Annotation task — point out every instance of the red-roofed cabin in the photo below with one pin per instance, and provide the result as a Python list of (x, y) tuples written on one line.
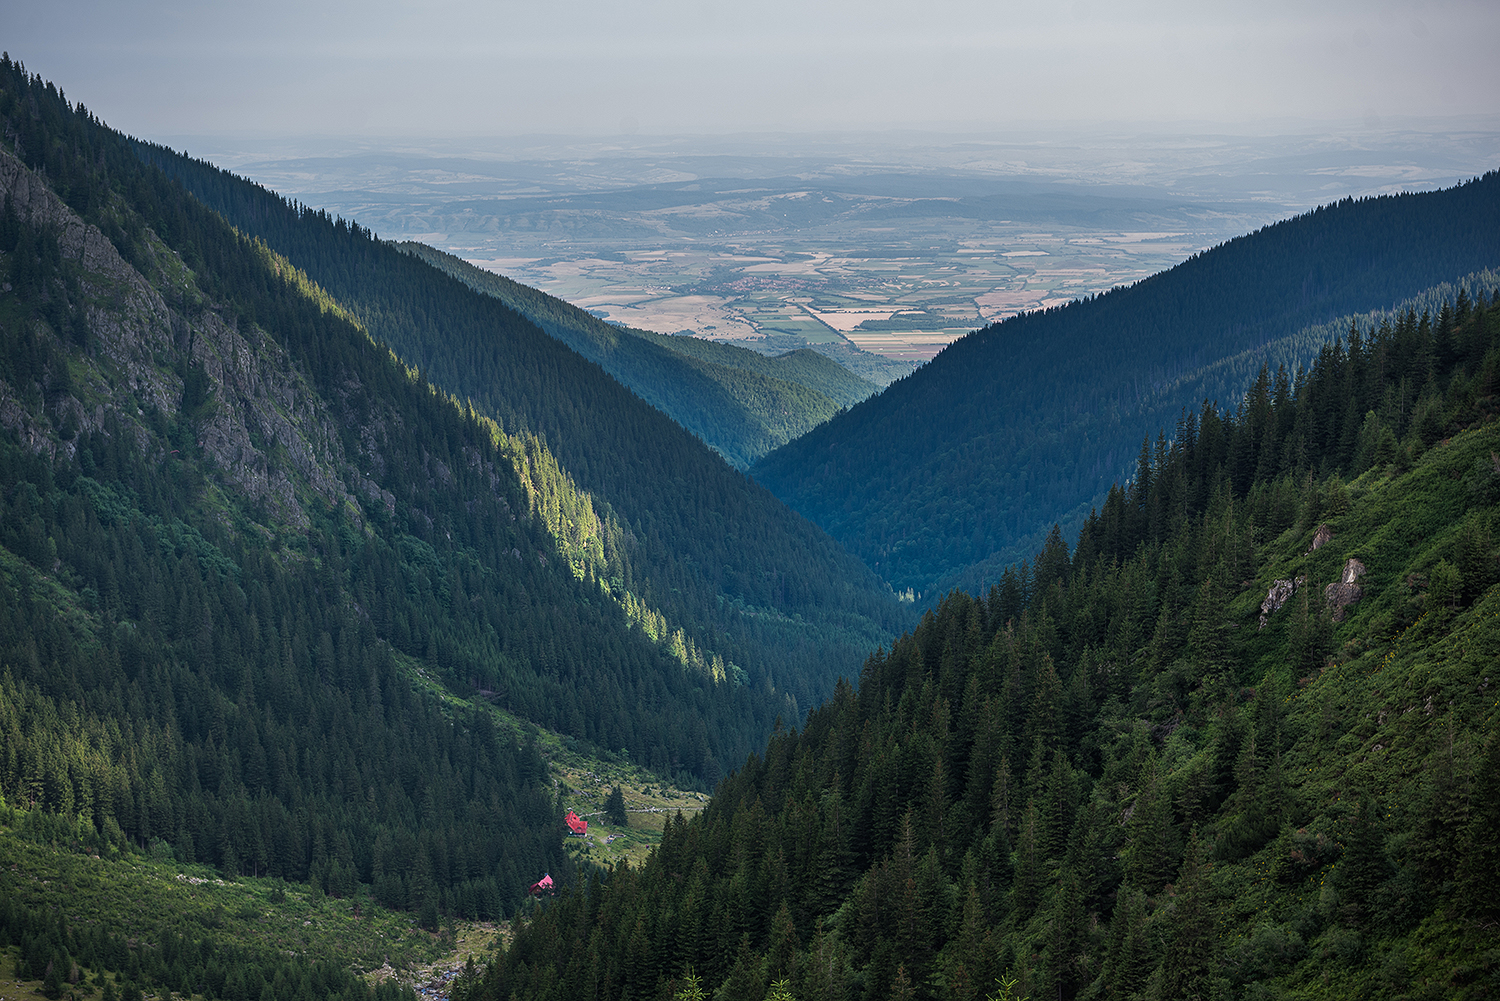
[(576, 824), (541, 886)]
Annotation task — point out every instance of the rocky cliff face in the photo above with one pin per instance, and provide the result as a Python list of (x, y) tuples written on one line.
[(161, 353)]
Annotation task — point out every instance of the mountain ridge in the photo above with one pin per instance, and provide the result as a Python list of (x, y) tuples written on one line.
[(740, 402), (715, 552), (1023, 423)]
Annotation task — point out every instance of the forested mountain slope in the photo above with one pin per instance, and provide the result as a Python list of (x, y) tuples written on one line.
[(716, 554), (1227, 377), (1026, 422), (740, 402), (1243, 742), (254, 571)]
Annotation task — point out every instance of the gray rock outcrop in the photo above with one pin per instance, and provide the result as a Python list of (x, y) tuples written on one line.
[(1346, 591), (1281, 591)]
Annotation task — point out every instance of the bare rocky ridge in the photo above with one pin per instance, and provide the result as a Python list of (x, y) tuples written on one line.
[(128, 318)]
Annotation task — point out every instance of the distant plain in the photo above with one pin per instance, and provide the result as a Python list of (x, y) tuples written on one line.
[(894, 243)]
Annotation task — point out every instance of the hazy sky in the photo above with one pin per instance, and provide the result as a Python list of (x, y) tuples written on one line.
[(466, 67)]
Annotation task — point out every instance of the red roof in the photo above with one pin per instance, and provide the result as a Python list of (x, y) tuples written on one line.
[(576, 824)]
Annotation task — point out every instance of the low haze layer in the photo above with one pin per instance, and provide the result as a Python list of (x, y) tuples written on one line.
[(672, 66)]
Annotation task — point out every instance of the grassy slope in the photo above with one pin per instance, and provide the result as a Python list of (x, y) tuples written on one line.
[(1408, 686), (144, 897), (583, 781)]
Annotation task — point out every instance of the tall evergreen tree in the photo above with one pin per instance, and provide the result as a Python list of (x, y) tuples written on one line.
[(1187, 969)]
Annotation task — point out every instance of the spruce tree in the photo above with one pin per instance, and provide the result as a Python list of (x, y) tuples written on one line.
[(614, 808), (1364, 866), (1150, 853), (1188, 966), (1478, 874)]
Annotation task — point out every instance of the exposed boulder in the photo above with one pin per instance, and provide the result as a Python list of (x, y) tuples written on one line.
[(1281, 591), (1321, 537), (1347, 590)]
